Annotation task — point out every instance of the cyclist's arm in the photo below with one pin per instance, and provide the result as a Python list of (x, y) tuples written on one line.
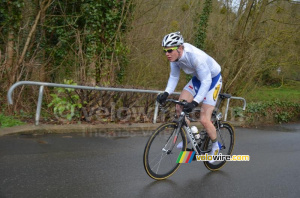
[(173, 79)]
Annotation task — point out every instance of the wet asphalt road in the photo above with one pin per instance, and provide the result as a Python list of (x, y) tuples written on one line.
[(98, 165)]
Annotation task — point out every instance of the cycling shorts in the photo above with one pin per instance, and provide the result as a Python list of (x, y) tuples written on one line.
[(211, 97)]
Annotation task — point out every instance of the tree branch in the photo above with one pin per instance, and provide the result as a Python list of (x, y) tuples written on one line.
[(44, 6)]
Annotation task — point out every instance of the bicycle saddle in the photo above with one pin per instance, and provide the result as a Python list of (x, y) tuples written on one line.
[(224, 95)]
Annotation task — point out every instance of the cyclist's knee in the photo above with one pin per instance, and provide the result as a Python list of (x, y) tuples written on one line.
[(178, 109), (205, 122)]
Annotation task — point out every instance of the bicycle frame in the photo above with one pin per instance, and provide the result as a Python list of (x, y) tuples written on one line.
[(182, 124), (192, 140)]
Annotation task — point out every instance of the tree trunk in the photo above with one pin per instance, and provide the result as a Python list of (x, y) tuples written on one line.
[(10, 57), (258, 17), (243, 20)]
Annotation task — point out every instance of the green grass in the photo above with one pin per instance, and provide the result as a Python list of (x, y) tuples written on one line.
[(274, 104), (9, 121), (289, 92)]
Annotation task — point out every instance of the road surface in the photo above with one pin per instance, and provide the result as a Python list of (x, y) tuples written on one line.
[(110, 165)]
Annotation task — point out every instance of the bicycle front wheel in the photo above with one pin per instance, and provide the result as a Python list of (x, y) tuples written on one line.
[(226, 139), (161, 151)]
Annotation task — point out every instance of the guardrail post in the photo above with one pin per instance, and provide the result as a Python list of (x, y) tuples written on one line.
[(227, 105), (226, 111), (39, 105), (155, 112)]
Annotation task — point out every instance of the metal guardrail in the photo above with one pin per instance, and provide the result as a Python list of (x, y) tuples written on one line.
[(43, 84), (227, 105)]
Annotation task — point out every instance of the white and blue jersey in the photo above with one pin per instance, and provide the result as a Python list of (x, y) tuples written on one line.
[(206, 82)]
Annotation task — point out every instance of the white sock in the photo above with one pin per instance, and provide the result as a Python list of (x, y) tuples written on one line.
[(180, 144), (214, 147)]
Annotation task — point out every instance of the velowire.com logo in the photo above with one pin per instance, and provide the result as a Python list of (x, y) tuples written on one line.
[(187, 157)]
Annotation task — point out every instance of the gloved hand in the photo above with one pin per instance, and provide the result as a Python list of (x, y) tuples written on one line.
[(188, 107), (161, 98)]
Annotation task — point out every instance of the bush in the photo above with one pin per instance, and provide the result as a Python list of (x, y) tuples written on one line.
[(65, 102), (272, 111)]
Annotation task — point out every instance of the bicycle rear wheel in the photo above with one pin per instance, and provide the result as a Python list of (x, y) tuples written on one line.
[(226, 139), (161, 152)]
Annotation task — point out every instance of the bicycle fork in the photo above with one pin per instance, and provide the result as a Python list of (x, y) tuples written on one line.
[(174, 140)]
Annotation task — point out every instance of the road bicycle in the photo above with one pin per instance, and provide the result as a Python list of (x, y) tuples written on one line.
[(161, 151)]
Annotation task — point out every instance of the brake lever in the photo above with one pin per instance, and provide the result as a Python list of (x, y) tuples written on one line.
[(184, 102), (162, 108)]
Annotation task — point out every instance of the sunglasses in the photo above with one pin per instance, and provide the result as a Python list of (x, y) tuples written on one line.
[(170, 50)]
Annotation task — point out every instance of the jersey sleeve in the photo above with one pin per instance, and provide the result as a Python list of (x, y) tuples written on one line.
[(173, 79)]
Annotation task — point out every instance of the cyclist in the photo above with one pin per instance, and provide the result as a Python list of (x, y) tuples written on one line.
[(204, 86)]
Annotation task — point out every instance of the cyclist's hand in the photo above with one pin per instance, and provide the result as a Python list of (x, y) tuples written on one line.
[(161, 98), (188, 107)]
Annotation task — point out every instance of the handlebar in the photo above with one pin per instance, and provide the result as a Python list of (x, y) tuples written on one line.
[(182, 103)]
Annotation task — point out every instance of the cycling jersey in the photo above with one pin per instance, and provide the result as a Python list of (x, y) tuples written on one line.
[(196, 63)]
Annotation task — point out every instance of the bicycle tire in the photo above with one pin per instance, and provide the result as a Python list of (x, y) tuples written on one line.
[(228, 135), (166, 165)]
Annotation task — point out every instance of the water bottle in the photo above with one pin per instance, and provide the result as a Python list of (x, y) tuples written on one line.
[(195, 132)]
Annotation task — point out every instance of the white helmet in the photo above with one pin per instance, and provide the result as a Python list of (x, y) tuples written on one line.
[(173, 39)]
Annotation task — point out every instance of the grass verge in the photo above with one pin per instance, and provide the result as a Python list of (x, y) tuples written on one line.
[(289, 91), (9, 121), (268, 105)]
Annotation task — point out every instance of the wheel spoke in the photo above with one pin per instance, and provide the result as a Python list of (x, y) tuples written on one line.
[(158, 163)]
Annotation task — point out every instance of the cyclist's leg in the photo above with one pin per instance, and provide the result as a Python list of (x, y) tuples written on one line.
[(208, 106), (205, 119), (185, 95)]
